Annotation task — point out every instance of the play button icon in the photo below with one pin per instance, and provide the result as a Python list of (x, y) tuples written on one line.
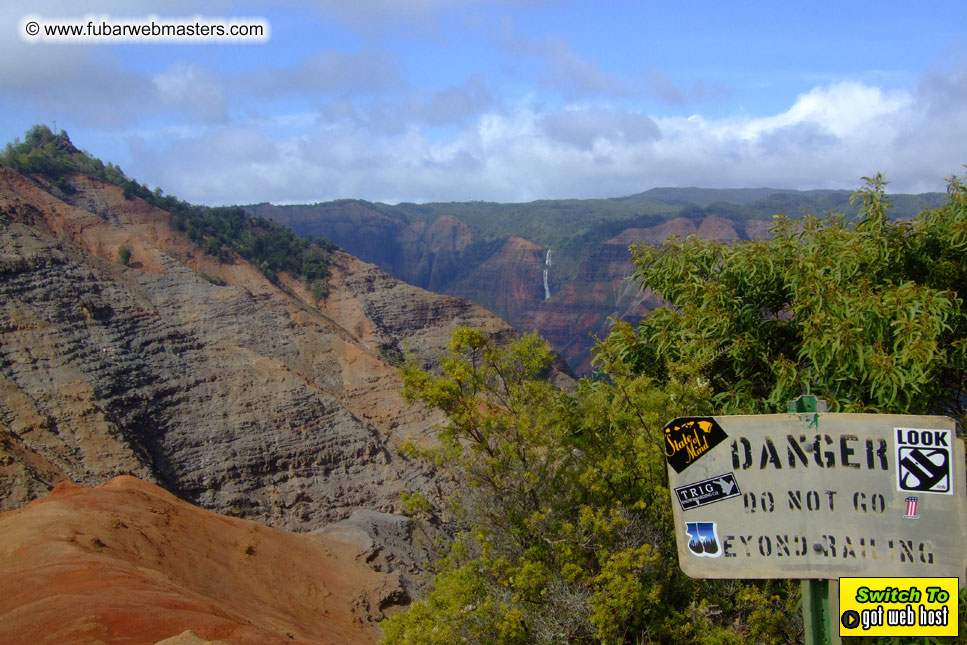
[(850, 619)]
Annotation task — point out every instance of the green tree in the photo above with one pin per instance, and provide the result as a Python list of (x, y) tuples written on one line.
[(868, 316), (563, 522), (220, 231), (124, 254)]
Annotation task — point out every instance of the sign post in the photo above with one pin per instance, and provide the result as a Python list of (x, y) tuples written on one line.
[(818, 496), (817, 614)]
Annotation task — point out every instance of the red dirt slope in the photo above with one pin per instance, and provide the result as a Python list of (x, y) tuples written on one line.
[(127, 562)]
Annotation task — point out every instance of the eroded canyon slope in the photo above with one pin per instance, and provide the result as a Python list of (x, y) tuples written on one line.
[(244, 395), (587, 283), (496, 254), (127, 562)]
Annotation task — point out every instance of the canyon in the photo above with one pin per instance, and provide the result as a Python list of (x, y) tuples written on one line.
[(235, 391), (196, 447), (496, 255)]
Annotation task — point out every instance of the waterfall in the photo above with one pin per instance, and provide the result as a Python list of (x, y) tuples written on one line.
[(547, 263)]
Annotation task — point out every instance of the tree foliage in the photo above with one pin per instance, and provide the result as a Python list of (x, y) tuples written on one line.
[(563, 521), (42, 152), (868, 316), (564, 528)]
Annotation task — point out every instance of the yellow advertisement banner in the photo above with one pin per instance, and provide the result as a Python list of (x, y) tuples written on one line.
[(898, 607)]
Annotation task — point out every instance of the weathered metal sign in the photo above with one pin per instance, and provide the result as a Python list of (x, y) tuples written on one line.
[(818, 495)]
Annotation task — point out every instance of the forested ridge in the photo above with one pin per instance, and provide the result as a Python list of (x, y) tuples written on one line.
[(219, 231), (564, 526)]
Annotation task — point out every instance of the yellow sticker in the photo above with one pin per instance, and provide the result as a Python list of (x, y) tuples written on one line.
[(898, 607)]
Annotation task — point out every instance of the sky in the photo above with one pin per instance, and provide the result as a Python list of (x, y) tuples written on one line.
[(514, 100)]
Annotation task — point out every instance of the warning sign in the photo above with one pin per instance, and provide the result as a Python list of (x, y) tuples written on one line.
[(818, 495)]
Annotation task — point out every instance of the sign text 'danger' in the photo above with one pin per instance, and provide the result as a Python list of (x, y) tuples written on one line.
[(810, 451)]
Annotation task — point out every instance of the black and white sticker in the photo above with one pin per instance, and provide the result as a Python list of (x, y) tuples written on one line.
[(707, 491), (924, 460)]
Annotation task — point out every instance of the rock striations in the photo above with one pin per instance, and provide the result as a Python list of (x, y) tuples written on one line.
[(250, 399)]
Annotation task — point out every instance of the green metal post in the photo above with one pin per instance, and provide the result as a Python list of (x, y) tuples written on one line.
[(817, 615), (806, 403), (813, 594)]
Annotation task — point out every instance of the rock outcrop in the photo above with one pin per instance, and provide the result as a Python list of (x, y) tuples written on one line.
[(250, 399), (581, 310), (127, 562), (426, 254), (509, 282)]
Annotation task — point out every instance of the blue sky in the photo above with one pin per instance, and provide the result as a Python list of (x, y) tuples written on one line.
[(434, 100)]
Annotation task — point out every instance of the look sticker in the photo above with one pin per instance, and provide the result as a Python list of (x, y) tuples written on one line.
[(925, 461)]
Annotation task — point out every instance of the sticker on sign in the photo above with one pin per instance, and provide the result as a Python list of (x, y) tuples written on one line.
[(708, 491), (688, 438), (703, 539), (924, 461)]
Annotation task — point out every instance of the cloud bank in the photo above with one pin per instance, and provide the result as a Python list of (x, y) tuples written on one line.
[(539, 119), (462, 144)]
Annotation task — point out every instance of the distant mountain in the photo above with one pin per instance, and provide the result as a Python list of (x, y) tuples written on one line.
[(703, 197), (496, 254)]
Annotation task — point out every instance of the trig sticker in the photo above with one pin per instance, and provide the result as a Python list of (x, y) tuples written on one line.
[(688, 438), (703, 539), (924, 460), (707, 491)]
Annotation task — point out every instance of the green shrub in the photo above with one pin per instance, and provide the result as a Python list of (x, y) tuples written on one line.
[(214, 279)]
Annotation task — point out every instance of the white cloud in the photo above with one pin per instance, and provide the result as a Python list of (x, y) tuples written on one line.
[(458, 104), (328, 72), (680, 94), (561, 68), (843, 109), (337, 123), (583, 128), (192, 88), (829, 137)]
